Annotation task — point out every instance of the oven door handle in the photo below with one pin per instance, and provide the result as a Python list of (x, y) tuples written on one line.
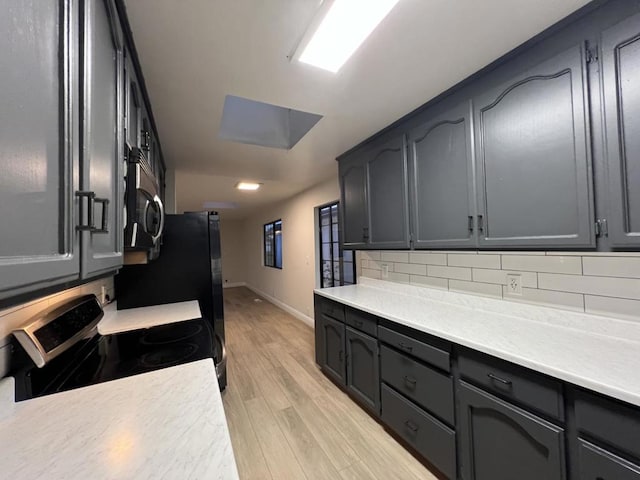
[(158, 202)]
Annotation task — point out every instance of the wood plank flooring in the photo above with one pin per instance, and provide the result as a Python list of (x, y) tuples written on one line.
[(287, 420)]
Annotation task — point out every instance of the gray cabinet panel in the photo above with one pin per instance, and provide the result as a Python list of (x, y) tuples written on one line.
[(598, 464), (501, 442), (38, 242), (103, 147), (363, 372), (534, 158), (621, 88), (133, 105), (442, 180), (333, 355), (353, 203), (388, 207)]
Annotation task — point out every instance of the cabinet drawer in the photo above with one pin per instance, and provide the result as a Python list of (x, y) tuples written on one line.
[(529, 388), (425, 386), (598, 464), (431, 438), (331, 308), (428, 353), (614, 422), (362, 321)]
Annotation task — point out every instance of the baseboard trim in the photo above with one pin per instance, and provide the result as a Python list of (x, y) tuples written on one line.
[(287, 308), (235, 284)]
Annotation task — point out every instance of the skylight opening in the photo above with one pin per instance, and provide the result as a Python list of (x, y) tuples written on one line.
[(345, 26)]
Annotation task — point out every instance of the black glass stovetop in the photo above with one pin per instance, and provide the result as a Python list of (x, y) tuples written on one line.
[(109, 357)]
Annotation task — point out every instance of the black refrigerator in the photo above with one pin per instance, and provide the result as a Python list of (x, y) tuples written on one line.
[(188, 268)]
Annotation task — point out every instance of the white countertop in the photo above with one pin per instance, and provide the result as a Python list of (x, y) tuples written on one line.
[(116, 321), (598, 353), (167, 424)]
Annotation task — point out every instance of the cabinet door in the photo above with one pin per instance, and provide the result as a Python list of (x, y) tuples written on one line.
[(353, 203), (387, 195), (133, 103), (534, 172), (501, 442), (442, 180), (363, 368), (333, 356), (621, 86), (103, 138), (38, 241), (599, 464)]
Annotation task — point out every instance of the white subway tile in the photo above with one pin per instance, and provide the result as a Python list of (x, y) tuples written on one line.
[(411, 268), (402, 257), (367, 272), (602, 286), (377, 265), (534, 263), (487, 289), (529, 279), (364, 263), (618, 307), (512, 252), (628, 267), (479, 261), (434, 282), (370, 254), (458, 273), (428, 258), (398, 277), (596, 254), (570, 301)]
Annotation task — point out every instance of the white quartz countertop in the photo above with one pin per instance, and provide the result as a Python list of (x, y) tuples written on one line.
[(116, 321), (598, 353), (166, 424)]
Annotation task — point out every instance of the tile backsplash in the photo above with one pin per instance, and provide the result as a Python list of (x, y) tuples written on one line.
[(599, 283)]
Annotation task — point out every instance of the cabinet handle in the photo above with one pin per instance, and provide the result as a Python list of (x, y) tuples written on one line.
[(411, 426), (90, 226), (365, 233), (498, 379), (410, 381), (470, 223), (406, 347), (480, 224), (105, 215)]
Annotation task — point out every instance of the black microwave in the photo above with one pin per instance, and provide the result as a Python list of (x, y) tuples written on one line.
[(144, 211)]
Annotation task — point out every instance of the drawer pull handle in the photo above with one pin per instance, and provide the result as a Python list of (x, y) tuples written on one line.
[(498, 379), (411, 426), (410, 381), (406, 347)]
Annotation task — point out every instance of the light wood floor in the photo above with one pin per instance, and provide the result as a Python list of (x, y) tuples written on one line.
[(287, 420)]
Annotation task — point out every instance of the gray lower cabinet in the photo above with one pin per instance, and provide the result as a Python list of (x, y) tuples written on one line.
[(499, 441), (333, 354), (39, 246), (620, 48), (598, 464), (442, 180), (533, 157), (103, 138), (353, 202), (387, 195), (363, 371)]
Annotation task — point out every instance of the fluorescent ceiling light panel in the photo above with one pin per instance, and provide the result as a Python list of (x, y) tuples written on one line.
[(346, 25), (247, 186), (219, 205)]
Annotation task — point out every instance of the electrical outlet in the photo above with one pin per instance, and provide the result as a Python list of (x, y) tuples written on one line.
[(385, 270), (514, 284)]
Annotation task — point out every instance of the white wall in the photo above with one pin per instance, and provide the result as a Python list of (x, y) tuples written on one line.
[(292, 287), (234, 265)]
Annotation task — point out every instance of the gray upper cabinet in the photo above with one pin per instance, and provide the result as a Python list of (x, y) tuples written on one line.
[(38, 241), (133, 104), (442, 180), (533, 158), (102, 138), (621, 87), (353, 202), (387, 199)]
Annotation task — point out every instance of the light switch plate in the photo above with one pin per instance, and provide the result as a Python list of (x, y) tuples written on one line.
[(514, 284), (385, 270)]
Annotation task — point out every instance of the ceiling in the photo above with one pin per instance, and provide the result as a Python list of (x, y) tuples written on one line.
[(195, 52)]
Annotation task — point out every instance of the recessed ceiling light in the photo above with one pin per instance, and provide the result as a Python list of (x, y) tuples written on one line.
[(247, 186), (342, 27)]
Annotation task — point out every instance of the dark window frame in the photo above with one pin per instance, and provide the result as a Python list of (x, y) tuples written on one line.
[(333, 243), (269, 244)]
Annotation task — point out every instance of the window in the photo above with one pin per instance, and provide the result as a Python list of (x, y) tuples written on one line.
[(337, 267), (273, 244)]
